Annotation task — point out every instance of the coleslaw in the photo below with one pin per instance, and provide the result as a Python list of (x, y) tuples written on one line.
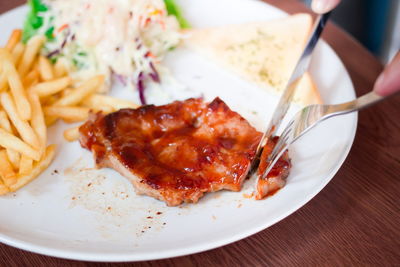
[(123, 38)]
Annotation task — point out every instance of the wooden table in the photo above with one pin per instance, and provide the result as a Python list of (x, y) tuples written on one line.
[(353, 221)]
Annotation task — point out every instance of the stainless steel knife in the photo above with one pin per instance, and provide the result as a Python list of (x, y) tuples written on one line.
[(299, 70)]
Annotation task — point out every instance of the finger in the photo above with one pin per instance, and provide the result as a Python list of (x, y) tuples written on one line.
[(388, 81), (323, 6)]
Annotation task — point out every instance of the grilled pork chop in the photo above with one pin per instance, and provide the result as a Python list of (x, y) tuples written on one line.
[(176, 152), (276, 178)]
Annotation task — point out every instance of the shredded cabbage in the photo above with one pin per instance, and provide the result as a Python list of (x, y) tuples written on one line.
[(126, 38)]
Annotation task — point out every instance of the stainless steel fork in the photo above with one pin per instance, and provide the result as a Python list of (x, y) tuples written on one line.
[(309, 117)]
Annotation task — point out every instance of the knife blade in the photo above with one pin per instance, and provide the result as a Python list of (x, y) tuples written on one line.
[(301, 67)]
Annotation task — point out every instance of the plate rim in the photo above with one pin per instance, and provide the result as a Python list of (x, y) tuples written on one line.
[(177, 252)]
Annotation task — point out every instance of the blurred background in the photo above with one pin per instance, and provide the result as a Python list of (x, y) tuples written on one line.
[(374, 23)]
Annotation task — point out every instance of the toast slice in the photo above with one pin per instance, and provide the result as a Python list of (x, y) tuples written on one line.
[(264, 53)]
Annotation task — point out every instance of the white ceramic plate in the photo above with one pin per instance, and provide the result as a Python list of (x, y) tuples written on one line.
[(72, 211)]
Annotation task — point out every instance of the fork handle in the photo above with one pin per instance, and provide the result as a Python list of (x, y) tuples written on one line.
[(384, 86), (356, 104)]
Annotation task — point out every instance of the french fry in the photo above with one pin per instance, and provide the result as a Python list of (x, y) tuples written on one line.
[(17, 89), (4, 122), (24, 129), (51, 87), (50, 100), (8, 140), (6, 170), (37, 122), (13, 155), (31, 78), (3, 75), (103, 109), (17, 53), (45, 69), (77, 95), (68, 114), (38, 168), (60, 69), (14, 130), (66, 91), (34, 94), (31, 51), (35, 64), (25, 165), (3, 82), (97, 100), (18, 92), (50, 120), (72, 134), (15, 38), (3, 188)]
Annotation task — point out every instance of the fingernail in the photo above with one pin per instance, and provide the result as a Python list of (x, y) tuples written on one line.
[(319, 6)]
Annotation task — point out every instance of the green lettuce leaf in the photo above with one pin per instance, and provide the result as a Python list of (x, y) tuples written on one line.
[(33, 21), (174, 10)]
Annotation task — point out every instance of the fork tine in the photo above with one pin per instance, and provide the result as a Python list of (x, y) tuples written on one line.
[(285, 139), (288, 128), (277, 153), (294, 129), (282, 139)]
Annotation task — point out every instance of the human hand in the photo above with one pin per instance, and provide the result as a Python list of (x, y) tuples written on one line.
[(323, 6), (388, 81)]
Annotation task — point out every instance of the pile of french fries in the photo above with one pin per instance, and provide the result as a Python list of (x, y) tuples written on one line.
[(34, 94)]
